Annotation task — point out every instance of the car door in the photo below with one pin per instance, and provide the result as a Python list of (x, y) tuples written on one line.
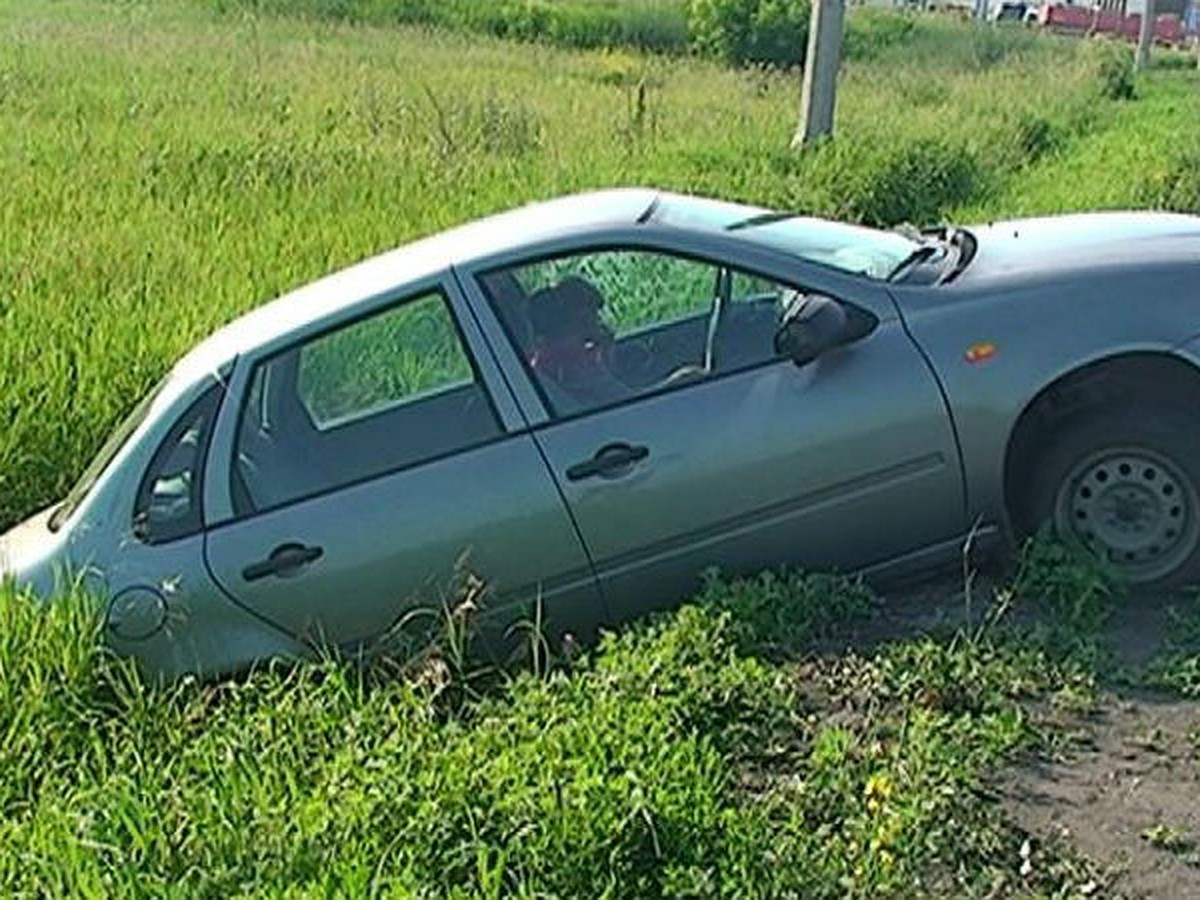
[(369, 474), (710, 450)]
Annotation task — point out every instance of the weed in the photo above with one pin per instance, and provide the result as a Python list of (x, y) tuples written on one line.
[(1164, 837), (777, 612), (1071, 590), (1114, 71), (1178, 667)]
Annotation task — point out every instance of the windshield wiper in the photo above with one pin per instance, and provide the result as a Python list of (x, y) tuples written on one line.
[(767, 218), (918, 256)]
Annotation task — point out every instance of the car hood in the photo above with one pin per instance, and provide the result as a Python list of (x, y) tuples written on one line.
[(1035, 248)]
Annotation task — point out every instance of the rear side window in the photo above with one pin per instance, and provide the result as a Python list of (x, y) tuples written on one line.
[(168, 500), (392, 358), (393, 390)]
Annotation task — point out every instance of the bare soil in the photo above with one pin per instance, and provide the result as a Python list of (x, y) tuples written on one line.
[(1128, 798), (1127, 794)]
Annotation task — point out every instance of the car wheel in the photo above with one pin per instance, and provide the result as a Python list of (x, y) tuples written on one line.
[(1127, 487)]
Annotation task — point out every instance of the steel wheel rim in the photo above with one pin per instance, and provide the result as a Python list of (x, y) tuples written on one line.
[(1132, 507)]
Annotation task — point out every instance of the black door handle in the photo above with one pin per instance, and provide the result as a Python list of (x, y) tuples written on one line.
[(609, 460), (285, 559)]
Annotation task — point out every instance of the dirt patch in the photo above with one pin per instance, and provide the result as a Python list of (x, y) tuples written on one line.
[(1128, 798), (1127, 793)]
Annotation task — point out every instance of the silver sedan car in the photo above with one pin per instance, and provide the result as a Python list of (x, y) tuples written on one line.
[(588, 402)]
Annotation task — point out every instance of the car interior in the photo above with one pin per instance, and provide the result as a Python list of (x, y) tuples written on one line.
[(731, 335), (283, 456)]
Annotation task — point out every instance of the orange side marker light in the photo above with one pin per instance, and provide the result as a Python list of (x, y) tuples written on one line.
[(980, 352)]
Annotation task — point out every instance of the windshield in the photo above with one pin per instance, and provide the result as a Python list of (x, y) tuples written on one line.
[(850, 248), (96, 467)]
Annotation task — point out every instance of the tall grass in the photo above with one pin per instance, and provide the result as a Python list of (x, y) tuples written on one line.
[(658, 25), (165, 168)]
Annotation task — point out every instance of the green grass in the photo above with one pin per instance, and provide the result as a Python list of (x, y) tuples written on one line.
[(657, 25), (679, 762), (166, 168)]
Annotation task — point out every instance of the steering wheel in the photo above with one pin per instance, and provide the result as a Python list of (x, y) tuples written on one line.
[(683, 373), (716, 319)]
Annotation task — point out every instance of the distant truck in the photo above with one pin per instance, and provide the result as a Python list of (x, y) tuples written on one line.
[(1084, 20)]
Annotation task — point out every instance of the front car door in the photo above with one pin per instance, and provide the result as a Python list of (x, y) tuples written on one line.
[(369, 470), (682, 441)]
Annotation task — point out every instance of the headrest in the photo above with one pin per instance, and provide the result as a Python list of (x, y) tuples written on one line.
[(563, 308)]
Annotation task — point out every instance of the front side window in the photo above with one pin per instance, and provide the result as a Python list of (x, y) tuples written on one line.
[(389, 391), (168, 500), (595, 329)]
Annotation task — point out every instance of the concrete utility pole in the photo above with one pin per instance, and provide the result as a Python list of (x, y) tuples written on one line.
[(1145, 36), (821, 66)]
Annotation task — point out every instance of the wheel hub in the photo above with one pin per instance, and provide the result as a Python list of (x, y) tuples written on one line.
[(1133, 508)]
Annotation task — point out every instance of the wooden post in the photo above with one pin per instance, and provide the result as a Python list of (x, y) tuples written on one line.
[(1145, 37), (821, 65)]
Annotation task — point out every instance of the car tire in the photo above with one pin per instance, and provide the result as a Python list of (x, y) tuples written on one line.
[(1126, 485)]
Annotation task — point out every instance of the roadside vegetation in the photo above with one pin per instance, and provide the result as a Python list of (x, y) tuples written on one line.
[(705, 753), (771, 32), (167, 166)]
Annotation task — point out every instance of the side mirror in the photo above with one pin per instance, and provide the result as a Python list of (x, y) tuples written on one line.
[(812, 325)]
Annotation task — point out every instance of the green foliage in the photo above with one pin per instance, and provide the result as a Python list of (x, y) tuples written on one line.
[(1114, 71), (740, 32), (1072, 592), (1178, 668), (769, 32), (776, 613), (1142, 156), (676, 763), (657, 25), (872, 32), (1071, 588)]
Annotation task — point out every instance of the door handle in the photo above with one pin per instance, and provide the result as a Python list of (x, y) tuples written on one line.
[(286, 559), (611, 459)]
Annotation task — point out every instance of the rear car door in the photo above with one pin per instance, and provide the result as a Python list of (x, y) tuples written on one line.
[(369, 471), (681, 440)]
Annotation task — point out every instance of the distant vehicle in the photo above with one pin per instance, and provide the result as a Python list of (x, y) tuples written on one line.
[(1007, 11), (1069, 19), (596, 398)]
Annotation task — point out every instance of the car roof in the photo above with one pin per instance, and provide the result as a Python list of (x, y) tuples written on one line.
[(595, 210)]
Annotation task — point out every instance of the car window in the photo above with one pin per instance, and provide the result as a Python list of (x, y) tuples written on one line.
[(750, 314), (395, 357), (599, 328), (168, 499), (639, 288), (389, 391)]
